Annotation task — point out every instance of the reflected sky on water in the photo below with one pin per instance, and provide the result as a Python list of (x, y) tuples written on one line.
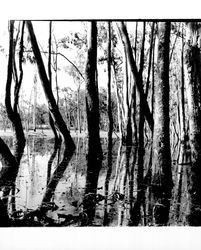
[(67, 199)]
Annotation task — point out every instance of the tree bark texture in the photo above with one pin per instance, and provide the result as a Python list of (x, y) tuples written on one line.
[(162, 175), (182, 95), (192, 60)]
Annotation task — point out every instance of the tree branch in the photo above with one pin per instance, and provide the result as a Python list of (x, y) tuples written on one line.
[(60, 54)]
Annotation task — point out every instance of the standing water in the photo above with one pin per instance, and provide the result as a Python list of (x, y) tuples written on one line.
[(36, 200)]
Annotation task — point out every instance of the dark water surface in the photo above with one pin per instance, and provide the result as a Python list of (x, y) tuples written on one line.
[(116, 201)]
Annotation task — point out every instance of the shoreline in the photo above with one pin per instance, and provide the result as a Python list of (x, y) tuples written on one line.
[(49, 134)]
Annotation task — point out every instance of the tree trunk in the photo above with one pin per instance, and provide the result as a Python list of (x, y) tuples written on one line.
[(94, 156), (153, 79), (13, 114), (152, 43), (56, 115), (162, 175), (109, 104), (10, 162), (52, 105), (192, 57), (182, 96), (78, 111), (57, 137), (35, 103), (119, 104), (136, 213), (110, 130), (136, 75)]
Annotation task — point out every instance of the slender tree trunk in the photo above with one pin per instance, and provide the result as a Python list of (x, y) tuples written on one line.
[(94, 156), (110, 129), (136, 213), (136, 30), (35, 103), (126, 104), (118, 104), (182, 99), (153, 79), (109, 104), (134, 96), (162, 175), (136, 75), (57, 138), (51, 120), (151, 51), (78, 110), (13, 114), (52, 105), (134, 110), (50, 53)]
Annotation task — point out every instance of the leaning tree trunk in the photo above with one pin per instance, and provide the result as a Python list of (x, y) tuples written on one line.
[(136, 75), (162, 175), (56, 116), (192, 58), (94, 157), (52, 105)]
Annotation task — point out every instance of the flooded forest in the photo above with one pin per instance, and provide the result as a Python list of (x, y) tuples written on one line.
[(100, 123)]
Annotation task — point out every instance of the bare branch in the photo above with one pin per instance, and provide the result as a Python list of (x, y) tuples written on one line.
[(60, 54)]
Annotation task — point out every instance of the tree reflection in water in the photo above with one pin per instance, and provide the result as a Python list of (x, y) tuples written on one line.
[(46, 193)]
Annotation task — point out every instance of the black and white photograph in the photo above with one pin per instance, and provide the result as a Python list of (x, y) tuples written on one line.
[(100, 125)]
